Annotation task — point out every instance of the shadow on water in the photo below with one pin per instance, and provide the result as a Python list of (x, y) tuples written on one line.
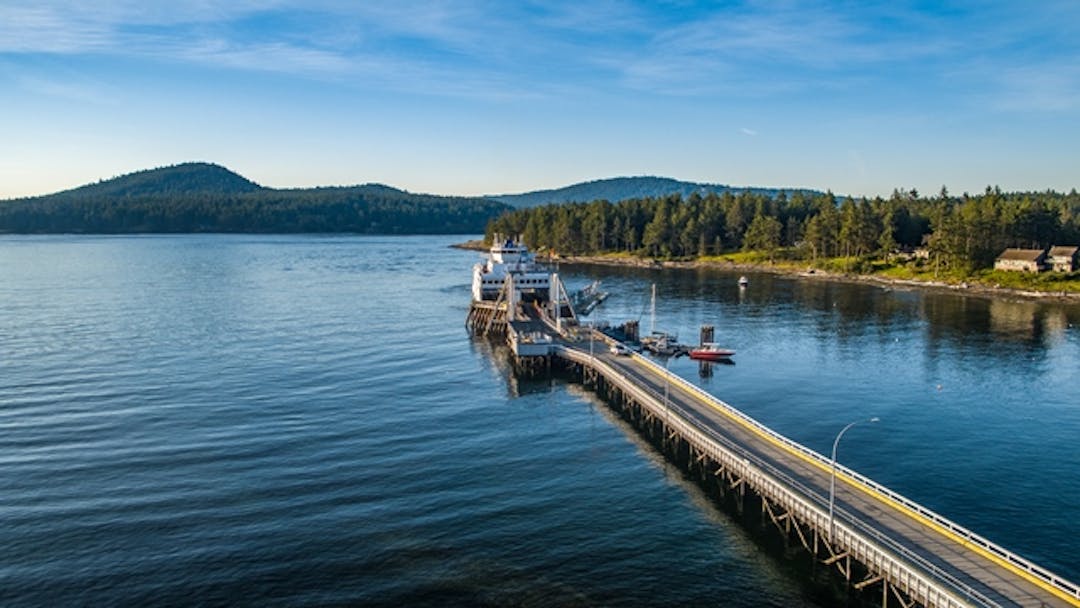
[(498, 355)]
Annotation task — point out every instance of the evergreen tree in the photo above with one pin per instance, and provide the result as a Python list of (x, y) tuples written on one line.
[(763, 234)]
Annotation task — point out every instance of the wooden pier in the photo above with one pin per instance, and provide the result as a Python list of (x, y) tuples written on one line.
[(876, 540)]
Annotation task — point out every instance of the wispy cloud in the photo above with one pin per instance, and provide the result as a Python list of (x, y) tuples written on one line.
[(769, 48), (1024, 61), (32, 29), (270, 57), (432, 47), (748, 132), (1046, 87), (546, 45), (496, 50)]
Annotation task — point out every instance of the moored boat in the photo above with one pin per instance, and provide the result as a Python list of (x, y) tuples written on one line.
[(710, 351), (663, 344)]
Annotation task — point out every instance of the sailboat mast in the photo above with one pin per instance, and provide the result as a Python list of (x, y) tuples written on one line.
[(652, 311)]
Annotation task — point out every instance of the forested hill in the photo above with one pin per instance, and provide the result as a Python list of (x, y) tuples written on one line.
[(201, 197), (187, 178), (625, 188)]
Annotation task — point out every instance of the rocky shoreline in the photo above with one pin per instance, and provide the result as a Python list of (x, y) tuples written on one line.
[(813, 275)]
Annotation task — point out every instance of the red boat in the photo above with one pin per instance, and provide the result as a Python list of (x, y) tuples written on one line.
[(710, 351)]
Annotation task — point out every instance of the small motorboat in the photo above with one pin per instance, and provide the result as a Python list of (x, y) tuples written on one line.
[(661, 343), (710, 351), (743, 281)]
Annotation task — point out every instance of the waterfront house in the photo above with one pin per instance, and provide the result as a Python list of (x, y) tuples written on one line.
[(1021, 260), (1063, 258)]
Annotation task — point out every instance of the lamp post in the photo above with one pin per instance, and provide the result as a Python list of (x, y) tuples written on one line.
[(832, 480)]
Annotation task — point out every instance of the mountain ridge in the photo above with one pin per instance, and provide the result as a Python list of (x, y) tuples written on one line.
[(616, 189), (206, 197), (211, 178)]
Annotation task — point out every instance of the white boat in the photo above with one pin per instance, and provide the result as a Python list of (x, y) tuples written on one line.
[(743, 281), (588, 298), (509, 257), (661, 343), (711, 351)]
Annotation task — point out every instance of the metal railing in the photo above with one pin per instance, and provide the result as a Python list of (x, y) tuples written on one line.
[(798, 492), (1055, 580)]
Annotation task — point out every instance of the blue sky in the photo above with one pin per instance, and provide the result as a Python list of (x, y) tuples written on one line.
[(477, 97)]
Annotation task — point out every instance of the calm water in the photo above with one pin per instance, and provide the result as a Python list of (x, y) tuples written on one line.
[(208, 420)]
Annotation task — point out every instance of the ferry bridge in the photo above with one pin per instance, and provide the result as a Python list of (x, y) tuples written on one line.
[(877, 540)]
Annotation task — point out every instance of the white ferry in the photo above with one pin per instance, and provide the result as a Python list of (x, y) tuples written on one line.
[(532, 280)]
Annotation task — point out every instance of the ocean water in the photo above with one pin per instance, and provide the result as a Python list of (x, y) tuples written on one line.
[(303, 420)]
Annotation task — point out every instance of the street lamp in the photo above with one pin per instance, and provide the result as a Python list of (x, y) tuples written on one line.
[(832, 480)]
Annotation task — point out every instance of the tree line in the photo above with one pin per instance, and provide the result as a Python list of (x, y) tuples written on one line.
[(364, 210), (964, 233)]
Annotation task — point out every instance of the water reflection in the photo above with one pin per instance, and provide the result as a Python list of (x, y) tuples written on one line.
[(499, 357), (839, 311), (705, 368), (1022, 332)]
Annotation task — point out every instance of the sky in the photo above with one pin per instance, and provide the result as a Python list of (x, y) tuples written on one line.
[(478, 97)]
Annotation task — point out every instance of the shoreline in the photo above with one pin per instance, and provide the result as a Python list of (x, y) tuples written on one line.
[(965, 289), (818, 275)]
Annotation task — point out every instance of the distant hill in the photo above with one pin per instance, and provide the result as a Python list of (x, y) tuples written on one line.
[(623, 188), (186, 178), (203, 197)]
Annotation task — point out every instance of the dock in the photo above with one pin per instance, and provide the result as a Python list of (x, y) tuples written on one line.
[(880, 544), (875, 540)]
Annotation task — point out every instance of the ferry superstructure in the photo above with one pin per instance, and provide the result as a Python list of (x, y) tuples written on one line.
[(509, 257)]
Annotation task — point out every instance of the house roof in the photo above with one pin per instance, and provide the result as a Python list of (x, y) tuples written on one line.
[(1063, 251), (1021, 255)]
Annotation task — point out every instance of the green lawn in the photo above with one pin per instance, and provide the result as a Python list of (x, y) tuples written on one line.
[(1043, 281)]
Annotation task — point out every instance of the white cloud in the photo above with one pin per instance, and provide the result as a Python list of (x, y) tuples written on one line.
[(749, 132), (270, 57)]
